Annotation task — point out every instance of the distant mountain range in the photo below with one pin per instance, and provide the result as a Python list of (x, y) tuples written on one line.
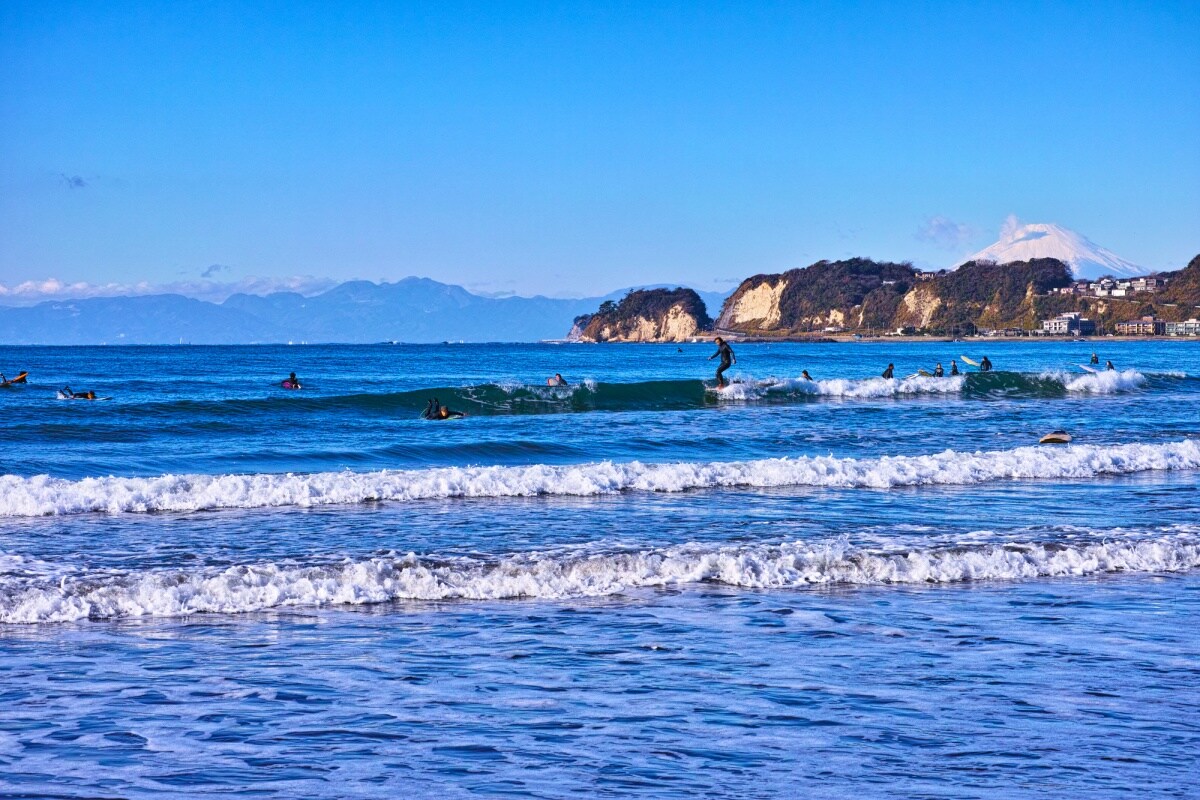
[(410, 310), (1086, 259)]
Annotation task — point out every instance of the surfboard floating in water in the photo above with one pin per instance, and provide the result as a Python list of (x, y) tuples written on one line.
[(1056, 437), (970, 361)]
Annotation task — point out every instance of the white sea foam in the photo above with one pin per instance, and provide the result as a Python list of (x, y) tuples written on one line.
[(1105, 382), (843, 387), (791, 565), (44, 495)]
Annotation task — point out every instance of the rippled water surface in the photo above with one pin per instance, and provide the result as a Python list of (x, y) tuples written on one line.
[(631, 586)]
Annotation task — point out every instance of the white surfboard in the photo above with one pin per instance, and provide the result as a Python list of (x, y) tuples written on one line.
[(970, 361)]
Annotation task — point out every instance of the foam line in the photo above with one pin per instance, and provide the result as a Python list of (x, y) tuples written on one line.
[(44, 495), (269, 585)]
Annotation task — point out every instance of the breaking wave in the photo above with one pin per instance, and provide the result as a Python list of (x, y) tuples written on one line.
[(490, 399), (43, 495), (255, 587)]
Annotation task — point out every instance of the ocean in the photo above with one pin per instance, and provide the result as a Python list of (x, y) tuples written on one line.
[(631, 586)]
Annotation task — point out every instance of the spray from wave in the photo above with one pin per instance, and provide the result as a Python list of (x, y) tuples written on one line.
[(269, 585), (43, 495)]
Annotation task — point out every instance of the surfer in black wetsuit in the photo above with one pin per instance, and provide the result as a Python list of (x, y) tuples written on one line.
[(804, 374), (557, 380), (445, 413), (985, 365), (728, 359), (887, 373), (953, 367), (1109, 365), (1095, 358), (292, 382), (938, 372)]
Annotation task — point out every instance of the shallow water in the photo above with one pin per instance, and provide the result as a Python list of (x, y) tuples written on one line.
[(631, 586)]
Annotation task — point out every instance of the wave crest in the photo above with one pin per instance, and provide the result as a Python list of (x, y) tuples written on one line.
[(377, 580), (43, 495)]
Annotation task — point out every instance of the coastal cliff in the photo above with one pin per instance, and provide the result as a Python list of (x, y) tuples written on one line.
[(847, 295), (647, 315)]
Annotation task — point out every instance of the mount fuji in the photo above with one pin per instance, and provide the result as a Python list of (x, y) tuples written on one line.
[(1047, 240)]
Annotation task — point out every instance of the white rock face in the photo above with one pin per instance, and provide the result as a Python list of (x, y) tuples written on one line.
[(1046, 240), (759, 305)]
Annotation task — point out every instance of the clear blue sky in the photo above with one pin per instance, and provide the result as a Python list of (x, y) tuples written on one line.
[(578, 147)]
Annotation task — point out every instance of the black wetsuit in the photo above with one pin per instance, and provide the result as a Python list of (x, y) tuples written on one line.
[(954, 369), (726, 354), (985, 365), (938, 373), (887, 373)]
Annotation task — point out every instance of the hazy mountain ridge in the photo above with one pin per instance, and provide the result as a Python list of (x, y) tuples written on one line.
[(409, 310)]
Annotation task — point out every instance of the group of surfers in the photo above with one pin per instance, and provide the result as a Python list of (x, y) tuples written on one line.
[(434, 410), (985, 365)]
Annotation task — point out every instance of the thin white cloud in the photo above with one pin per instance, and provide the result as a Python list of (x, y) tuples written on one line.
[(36, 291), (1011, 226), (946, 233)]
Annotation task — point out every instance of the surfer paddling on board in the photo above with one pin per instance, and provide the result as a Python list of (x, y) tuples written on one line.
[(557, 380), (728, 359), (70, 395), (887, 373), (434, 410), (804, 374)]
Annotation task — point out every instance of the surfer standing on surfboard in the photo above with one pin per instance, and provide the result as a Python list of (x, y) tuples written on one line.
[(727, 360)]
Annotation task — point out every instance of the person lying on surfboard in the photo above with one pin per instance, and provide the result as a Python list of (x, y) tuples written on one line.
[(887, 373), (445, 413), (88, 395), (727, 360), (557, 380)]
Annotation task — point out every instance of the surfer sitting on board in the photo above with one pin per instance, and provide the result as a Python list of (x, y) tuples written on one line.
[(887, 373), (727, 360), (557, 380), (985, 365), (292, 382), (953, 367), (938, 372), (1095, 358)]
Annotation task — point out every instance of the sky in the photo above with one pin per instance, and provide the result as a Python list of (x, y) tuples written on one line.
[(569, 149)]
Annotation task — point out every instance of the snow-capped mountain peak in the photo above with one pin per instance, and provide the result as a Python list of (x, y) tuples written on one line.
[(1047, 240)]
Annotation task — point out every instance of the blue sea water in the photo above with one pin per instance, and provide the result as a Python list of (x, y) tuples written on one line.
[(634, 585)]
